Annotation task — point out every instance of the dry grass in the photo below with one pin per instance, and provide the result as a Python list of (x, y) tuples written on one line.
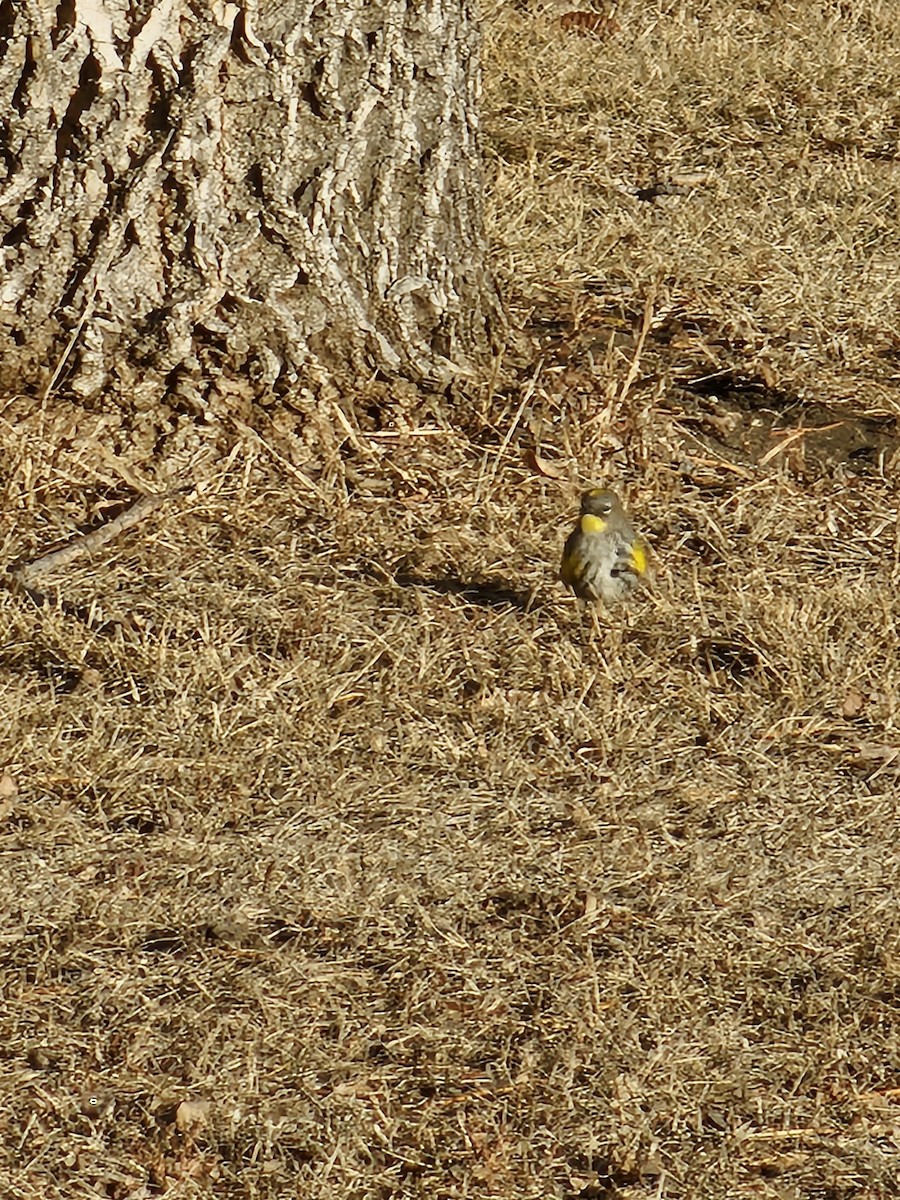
[(782, 120), (345, 860)]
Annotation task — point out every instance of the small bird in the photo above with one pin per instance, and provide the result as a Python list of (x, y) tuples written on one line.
[(604, 559)]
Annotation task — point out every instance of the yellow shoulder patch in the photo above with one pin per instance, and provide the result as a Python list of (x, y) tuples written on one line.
[(639, 556), (592, 524)]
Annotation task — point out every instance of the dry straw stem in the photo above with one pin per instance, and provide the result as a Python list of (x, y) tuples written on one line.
[(339, 871)]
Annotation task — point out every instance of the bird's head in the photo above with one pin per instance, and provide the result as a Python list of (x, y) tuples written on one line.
[(599, 502)]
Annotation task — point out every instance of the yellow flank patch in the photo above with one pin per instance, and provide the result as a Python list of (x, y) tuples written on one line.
[(639, 556), (592, 524)]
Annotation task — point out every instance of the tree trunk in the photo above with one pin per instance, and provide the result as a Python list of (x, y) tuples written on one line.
[(282, 191)]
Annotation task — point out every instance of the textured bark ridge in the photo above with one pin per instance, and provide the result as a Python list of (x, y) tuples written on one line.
[(284, 191)]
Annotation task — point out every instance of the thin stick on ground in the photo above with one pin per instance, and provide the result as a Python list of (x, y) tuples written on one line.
[(504, 445), (285, 465), (635, 366), (88, 543)]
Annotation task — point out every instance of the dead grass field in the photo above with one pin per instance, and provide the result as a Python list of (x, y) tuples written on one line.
[(339, 858)]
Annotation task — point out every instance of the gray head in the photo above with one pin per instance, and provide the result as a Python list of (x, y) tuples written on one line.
[(600, 502)]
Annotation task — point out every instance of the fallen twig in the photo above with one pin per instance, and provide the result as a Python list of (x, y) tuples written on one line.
[(87, 543)]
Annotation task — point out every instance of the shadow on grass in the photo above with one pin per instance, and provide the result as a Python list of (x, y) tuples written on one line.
[(486, 594)]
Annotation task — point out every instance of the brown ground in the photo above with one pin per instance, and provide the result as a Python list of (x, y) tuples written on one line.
[(340, 856)]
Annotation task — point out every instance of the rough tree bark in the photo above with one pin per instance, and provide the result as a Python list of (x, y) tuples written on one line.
[(282, 189)]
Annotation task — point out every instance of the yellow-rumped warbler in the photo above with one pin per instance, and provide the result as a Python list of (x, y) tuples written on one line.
[(604, 559)]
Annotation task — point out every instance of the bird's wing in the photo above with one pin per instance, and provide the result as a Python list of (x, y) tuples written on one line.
[(566, 568)]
